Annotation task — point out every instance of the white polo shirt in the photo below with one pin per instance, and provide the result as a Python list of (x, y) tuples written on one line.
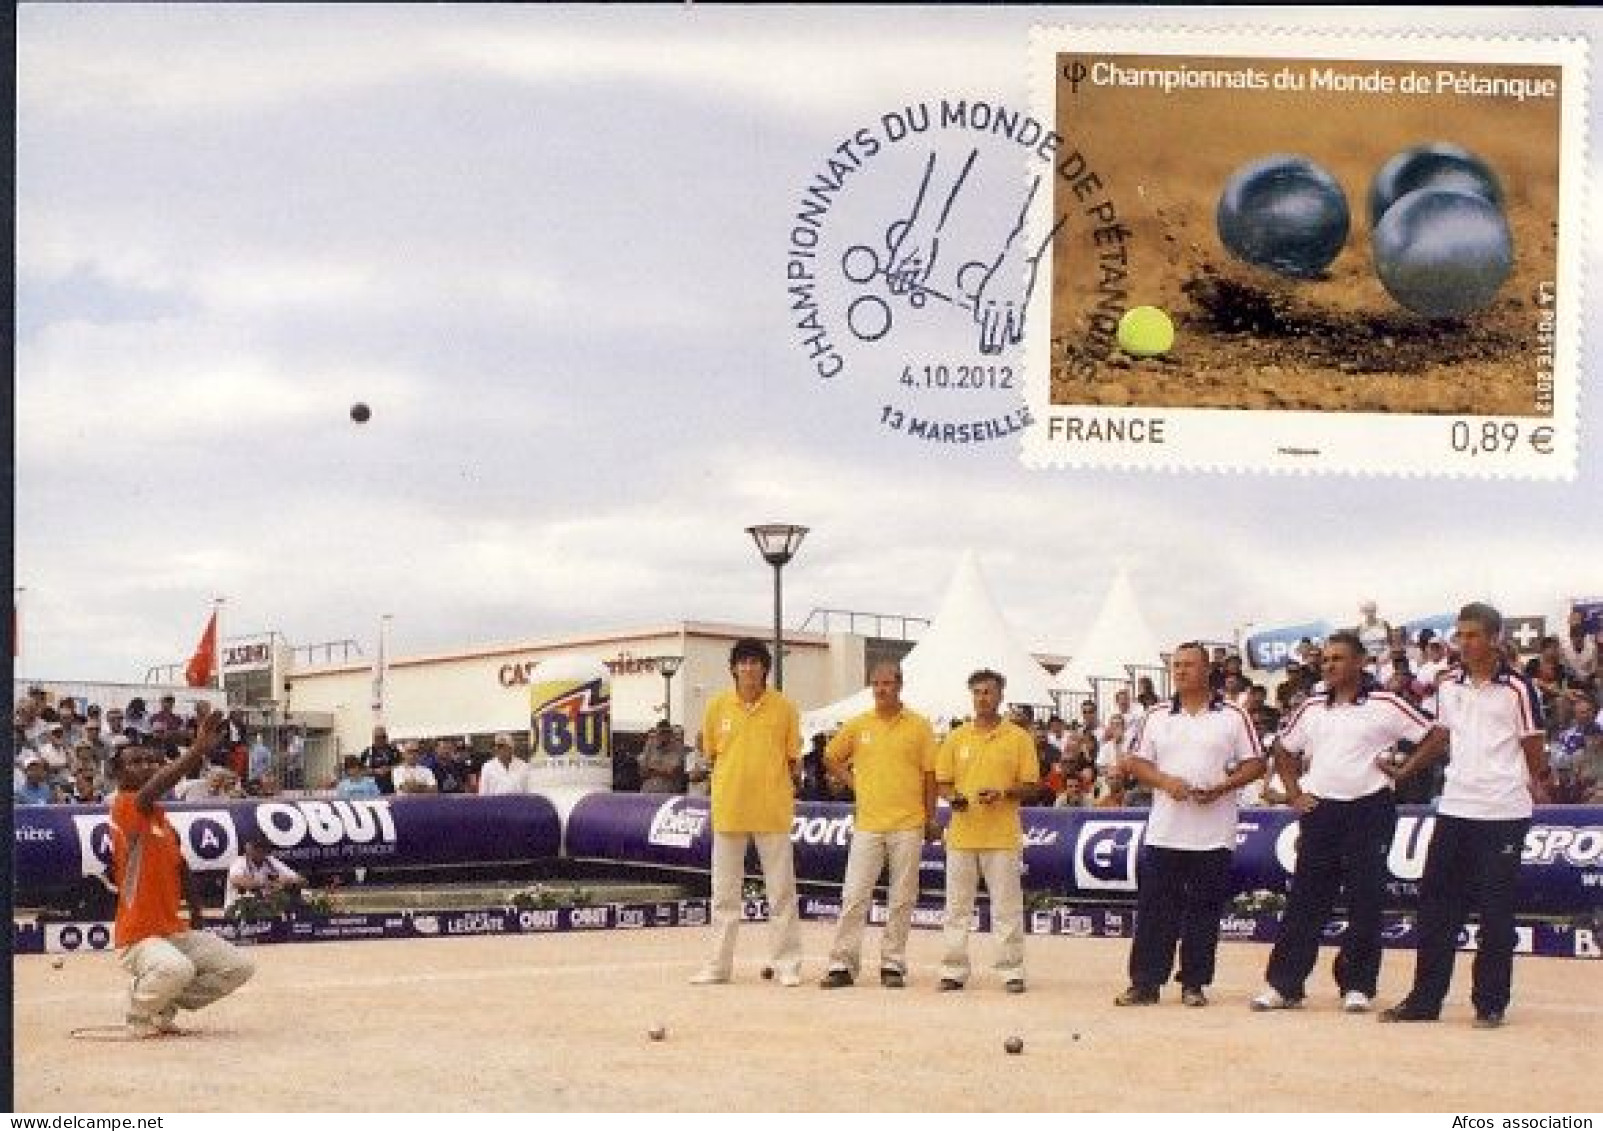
[(1342, 740), (1201, 749), (496, 779), (1487, 778)]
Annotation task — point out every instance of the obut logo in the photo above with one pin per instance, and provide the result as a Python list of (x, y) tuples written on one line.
[(291, 824), (575, 724)]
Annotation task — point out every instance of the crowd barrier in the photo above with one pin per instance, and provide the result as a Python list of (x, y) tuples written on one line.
[(1080, 854), (57, 846), (1549, 940), (1090, 854)]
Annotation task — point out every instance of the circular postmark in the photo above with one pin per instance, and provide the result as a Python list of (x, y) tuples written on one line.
[(910, 259)]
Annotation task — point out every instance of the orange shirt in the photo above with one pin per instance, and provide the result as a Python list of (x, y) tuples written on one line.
[(148, 863)]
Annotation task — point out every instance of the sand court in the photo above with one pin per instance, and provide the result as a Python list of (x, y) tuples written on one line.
[(560, 1023)]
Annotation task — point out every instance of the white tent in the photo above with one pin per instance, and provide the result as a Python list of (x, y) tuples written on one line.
[(967, 633), (1120, 635)]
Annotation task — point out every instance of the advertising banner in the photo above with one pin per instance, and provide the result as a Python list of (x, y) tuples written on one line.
[(1092, 853), (1269, 650), (56, 846)]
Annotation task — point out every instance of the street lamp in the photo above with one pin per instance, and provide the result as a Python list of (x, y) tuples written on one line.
[(778, 543), (669, 667)]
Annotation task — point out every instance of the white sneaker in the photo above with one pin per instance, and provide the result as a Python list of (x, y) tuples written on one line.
[(1355, 1002), (709, 978), (790, 977), (1272, 998)]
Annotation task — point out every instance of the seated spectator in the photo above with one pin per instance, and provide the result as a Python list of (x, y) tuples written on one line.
[(1057, 733), (1113, 743), (57, 755), (116, 724), (1110, 787), (1568, 748), (698, 772), (1587, 773), (257, 872), (213, 782), (1578, 652), (411, 776), (380, 759), (267, 785), (292, 758), (85, 788), (450, 770), (505, 772), (355, 781), (815, 784), (167, 720), (36, 787), (258, 759), (1128, 710), (662, 761)]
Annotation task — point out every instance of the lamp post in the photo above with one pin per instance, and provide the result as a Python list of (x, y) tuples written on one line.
[(669, 667), (778, 543)]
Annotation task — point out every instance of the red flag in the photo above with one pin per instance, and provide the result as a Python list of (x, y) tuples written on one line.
[(202, 667)]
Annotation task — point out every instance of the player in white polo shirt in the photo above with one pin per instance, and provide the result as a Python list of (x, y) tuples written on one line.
[(1195, 752), (1497, 774), (1348, 816)]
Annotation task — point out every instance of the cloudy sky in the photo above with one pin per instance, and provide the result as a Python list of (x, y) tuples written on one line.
[(547, 246)]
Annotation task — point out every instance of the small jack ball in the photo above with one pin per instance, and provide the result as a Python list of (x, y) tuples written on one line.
[(58, 963), (360, 412), (657, 1032), (768, 973), (1145, 331), (1013, 1045)]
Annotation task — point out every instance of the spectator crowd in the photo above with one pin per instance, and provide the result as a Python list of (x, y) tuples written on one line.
[(64, 747)]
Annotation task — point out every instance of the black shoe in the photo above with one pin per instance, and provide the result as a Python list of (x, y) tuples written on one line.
[(1193, 996), (1015, 985), (835, 979), (892, 979), (1406, 1010), (1137, 995), (949, 984), (1488, 1019)]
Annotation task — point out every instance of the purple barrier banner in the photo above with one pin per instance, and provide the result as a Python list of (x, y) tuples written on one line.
[(1544, 940), (58, 845), (1092, 853)]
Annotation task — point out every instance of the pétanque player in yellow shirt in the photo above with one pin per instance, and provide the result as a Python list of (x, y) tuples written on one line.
[(752, 735), (887, 754), (986, 768)]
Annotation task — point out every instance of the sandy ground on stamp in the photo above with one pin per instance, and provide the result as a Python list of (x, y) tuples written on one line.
[(1246, 338), (560, 1022)]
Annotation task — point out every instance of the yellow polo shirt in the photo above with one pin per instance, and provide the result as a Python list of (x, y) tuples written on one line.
[(753, 750), (888, 760), (972, 760)]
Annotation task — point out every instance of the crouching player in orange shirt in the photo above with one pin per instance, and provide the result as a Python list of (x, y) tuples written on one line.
[(175, 965)]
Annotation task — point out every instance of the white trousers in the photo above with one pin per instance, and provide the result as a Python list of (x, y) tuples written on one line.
[(728, 881), (869, 855), (1000, 870), (183, 971)]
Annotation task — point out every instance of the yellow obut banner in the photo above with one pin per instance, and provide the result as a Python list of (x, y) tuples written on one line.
[(570, 723)]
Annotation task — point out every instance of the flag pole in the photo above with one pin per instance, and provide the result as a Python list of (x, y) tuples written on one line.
[(217, 648)]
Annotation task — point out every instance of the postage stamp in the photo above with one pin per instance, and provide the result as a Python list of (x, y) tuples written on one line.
[(1354, 254)]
